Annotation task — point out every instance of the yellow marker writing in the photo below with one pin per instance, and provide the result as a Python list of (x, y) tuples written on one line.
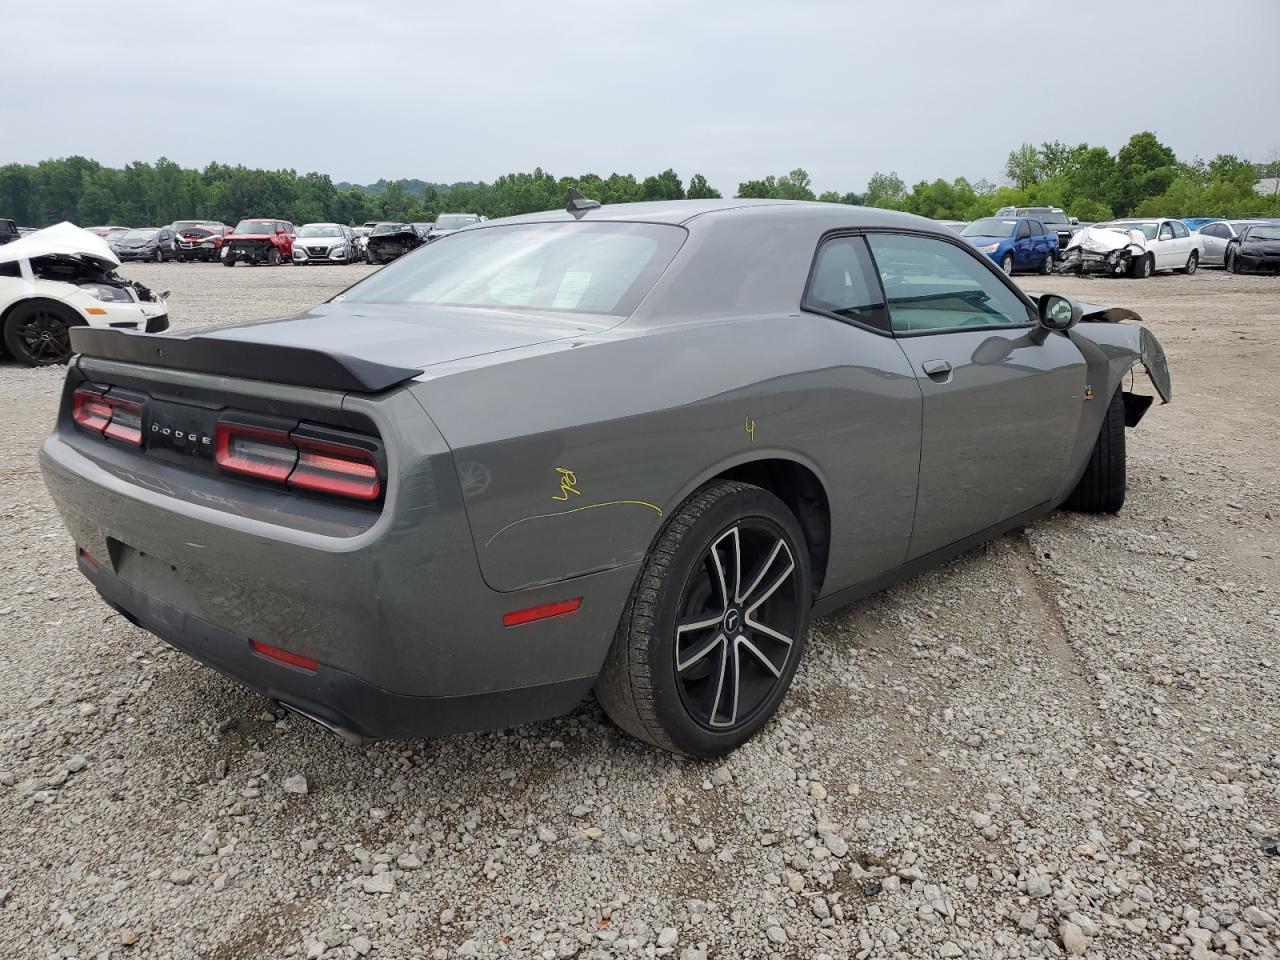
[(750, 426), (568, 484)]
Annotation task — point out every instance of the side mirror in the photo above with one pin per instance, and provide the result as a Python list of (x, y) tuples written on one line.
[(1056, 313), (1075, 221)]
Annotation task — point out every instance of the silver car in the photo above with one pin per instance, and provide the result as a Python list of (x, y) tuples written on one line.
[(1216, 236), (324, 243), (626, 449)]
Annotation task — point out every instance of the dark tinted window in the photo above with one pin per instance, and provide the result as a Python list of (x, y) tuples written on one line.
[(844, 283), (1024, 229), (578, 267), (1036, 229), (932, 285)]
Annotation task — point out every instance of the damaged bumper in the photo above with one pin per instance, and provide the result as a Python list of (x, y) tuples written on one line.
[(1080, 261)]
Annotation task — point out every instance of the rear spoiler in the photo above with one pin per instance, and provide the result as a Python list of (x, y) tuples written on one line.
[(273, 363)]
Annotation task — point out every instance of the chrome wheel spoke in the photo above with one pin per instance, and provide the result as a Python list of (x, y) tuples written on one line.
[(759, 655), (699, 652), (718, 689)]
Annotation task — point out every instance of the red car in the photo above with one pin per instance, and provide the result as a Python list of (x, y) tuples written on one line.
[(258, 241), (200, 243)]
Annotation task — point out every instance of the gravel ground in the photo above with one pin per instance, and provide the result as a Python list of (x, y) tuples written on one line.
[(1063, 743)]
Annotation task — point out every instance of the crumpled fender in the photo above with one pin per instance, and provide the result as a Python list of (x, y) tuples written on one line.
[(1122, 345)]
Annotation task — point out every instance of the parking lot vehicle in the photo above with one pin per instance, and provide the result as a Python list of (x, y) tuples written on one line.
[(1134, 247), (1053, 219), (149, 243), (56, 279), (628, 448), (956, 225), (1256, 249), (200, 243), (324, 243), (1216, 235), (1195, 223), (256, 241), (8, 231), (362, 240), (214, 225), (391, 240), (1015, 243), (448, 223)]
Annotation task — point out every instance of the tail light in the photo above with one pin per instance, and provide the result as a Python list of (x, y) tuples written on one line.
[(115, 417), (324, 465)]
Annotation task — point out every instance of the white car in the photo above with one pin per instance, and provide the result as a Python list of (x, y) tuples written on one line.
[(1169, 245), (61, 277), (1216, 236)]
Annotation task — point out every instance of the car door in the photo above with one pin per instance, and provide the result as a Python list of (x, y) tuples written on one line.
[(1000, 412), (1041, 247), (1214, 237), (1022, 245), (1165, 248), (1185, 242)]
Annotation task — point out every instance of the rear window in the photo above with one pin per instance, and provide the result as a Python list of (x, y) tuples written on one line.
[(603, 268)]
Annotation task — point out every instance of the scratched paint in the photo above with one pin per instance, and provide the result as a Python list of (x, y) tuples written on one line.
[(564, 513)]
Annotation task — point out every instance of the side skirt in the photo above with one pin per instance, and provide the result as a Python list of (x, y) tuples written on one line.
[(842, 598)]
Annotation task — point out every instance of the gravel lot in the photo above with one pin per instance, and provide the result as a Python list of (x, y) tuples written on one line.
[(1064, 743)]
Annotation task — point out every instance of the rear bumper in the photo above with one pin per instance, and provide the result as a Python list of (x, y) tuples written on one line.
[(335, 698)]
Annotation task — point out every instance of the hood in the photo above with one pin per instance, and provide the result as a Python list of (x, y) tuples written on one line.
[(62, 239), (325, 242), (135, 244), (1099, 240), (250, 236), (415, 335)]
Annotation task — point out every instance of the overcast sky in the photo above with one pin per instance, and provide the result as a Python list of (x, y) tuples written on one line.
[(449, 91)]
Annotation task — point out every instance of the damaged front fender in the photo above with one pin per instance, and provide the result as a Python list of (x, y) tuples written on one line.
[(1123, 345)]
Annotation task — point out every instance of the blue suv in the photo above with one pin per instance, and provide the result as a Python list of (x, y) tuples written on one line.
[(1015, 243)]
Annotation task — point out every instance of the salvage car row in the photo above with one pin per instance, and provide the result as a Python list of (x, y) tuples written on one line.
[(1045, 241), (271, 241)]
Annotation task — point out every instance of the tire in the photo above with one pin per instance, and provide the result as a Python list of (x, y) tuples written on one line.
[(273, 257), (1193, 262), (36, 334), (1143, 267), (228, 261), (1229, 262), (1102, 486), (1046, 266), (1007, 264), (159, 257), (689, 709)]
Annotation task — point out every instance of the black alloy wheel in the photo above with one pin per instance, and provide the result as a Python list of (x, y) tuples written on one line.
[(37, 334), (738, 625), (715, 626)]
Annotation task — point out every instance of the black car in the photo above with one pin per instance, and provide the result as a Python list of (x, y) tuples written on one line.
[(149, 243), (391, 240), (8, 231), (1255, 249)]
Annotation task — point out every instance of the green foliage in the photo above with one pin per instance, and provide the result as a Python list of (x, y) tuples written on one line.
[(1143, 177), (143, 194)]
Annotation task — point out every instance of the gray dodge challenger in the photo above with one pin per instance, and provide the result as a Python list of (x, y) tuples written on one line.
[(627, 449)]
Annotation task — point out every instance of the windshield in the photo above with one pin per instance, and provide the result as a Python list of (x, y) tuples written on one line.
[(319, 230), (1048, 216), (603, 268), (382, 229), (256, 226), (1148, 227), (139, 235), (455, 221), (1263, 232), (183, 224), (990, 227)]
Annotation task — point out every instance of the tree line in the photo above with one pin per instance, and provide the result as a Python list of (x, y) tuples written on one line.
[(1144, 177)]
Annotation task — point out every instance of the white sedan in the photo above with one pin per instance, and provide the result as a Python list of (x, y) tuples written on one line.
[(62, 277), (1169, 244)]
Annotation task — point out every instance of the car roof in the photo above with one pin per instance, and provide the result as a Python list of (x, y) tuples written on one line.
[(683, 212)]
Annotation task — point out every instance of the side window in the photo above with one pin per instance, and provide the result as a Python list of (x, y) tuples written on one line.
[(1212, 230), (1166, 232), (844, 283), (932, 285), (1180, 229), (1024, 229), (1036, 229)]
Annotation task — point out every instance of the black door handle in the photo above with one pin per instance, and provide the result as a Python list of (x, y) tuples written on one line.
[(937, 370)]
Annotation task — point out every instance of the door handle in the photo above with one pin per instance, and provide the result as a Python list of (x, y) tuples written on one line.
[(937, 370)]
